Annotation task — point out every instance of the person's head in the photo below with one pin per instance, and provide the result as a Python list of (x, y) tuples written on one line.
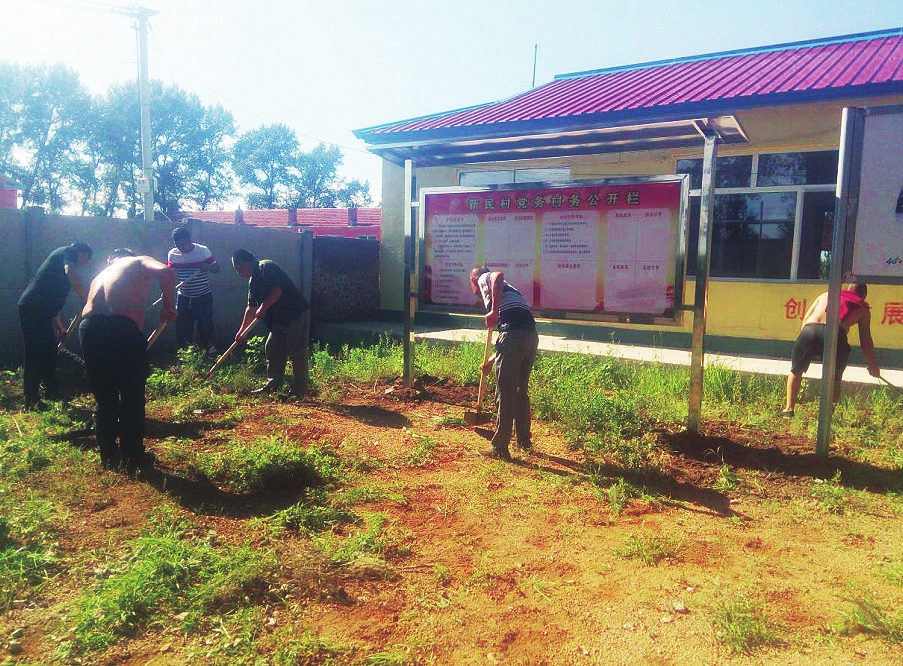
[(243, 262), (181, 238), (475, 274), (858, 287), (119, 253), (78, 253)]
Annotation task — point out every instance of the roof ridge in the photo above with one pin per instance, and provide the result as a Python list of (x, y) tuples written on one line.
[(787, 46)]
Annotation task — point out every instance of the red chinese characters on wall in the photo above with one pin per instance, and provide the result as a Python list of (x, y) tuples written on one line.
[(892, 312), (794, 309)]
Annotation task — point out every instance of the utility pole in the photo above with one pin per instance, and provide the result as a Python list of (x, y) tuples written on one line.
[(146, 182)]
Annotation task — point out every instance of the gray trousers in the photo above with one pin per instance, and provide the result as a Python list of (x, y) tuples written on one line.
[(289, 342), (515, 353)]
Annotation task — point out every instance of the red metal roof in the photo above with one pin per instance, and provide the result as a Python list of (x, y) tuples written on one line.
[(279, 218), (848, 66)]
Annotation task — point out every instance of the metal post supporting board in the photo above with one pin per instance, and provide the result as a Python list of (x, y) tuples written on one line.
[(703, 261), (410, 270), (845, 208)]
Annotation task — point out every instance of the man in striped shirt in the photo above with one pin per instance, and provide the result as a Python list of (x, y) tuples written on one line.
[(193, 264), (515, 352)]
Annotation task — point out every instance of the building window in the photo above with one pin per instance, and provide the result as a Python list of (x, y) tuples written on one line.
[(512, 176), (768, 210), (733, 171)]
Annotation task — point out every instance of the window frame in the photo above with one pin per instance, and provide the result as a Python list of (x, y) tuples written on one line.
[(800, 191)]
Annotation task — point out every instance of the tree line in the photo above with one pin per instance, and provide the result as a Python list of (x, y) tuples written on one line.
[(77, 153)]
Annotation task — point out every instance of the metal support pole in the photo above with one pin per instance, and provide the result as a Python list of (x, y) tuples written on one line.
[(846, 204), (410, 270), (144, 92), (703, 261)]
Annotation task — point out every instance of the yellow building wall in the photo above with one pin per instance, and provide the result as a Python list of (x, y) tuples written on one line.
[(743, 309)]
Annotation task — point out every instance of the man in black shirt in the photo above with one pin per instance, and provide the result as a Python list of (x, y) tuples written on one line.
[(39, 314), (274, 299)]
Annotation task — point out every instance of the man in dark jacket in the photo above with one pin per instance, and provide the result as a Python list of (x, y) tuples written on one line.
[(274, 299), (39, 313)]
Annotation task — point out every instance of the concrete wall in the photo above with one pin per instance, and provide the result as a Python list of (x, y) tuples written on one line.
[(29, 236)]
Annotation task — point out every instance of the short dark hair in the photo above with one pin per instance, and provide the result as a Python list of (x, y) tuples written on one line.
[(119, 253), (181, 233), (241, 255), (477, 271), (858, 287), (76, 249)]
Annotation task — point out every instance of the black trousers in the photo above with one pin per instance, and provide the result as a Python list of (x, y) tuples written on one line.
[(39, 364), (116, 359)]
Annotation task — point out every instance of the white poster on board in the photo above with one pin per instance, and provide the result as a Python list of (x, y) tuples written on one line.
[(450, 251), (570, 259), (509, 247), (878, 247), (636, 260)]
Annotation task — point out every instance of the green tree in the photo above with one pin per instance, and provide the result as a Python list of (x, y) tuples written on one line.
[(266, 159), (43, 121), (212, 180), (319, 185)]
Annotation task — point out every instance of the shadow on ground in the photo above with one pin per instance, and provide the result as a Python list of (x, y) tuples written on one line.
[(793, 460)]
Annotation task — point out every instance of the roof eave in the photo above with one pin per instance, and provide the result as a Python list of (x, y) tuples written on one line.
[(673, 112)]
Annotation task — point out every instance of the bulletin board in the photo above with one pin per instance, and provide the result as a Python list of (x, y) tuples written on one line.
[(610, 250), (877, 227)]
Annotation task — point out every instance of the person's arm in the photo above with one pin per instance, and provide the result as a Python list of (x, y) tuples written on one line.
[(59, 328), (868, 345), (496, 282), (213, 267), (75, 282), (268, 302), (246, 319), (166, 276)]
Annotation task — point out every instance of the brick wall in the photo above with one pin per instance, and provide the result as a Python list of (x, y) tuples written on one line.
[(345, 282)]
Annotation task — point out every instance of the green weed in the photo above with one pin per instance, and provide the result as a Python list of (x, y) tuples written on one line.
[(27, 560), (365, 541), (442, 574), (892, 571), (869, 617), (742, 626), (164, 580), (830, 494), (727, 480), (309, 648), (313, 514), (424, 448), (649, 549), (246, 467)]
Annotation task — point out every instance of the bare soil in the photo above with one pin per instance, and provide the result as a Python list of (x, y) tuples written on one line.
[(523, 562)]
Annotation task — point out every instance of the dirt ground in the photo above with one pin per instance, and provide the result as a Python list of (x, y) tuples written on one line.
[(522, 562)]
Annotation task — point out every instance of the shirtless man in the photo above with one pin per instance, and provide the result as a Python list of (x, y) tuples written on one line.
[(810, 342), (115, 351)]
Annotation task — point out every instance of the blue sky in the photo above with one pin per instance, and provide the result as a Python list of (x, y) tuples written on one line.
[(327, 67)]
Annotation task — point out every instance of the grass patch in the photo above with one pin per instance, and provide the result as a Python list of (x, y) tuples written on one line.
[(742, 626), (247, 467), (164, 580), (870, 617), (830, 494), (649, 549)]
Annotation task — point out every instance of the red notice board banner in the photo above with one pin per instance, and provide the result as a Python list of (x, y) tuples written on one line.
[(611, 248)]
